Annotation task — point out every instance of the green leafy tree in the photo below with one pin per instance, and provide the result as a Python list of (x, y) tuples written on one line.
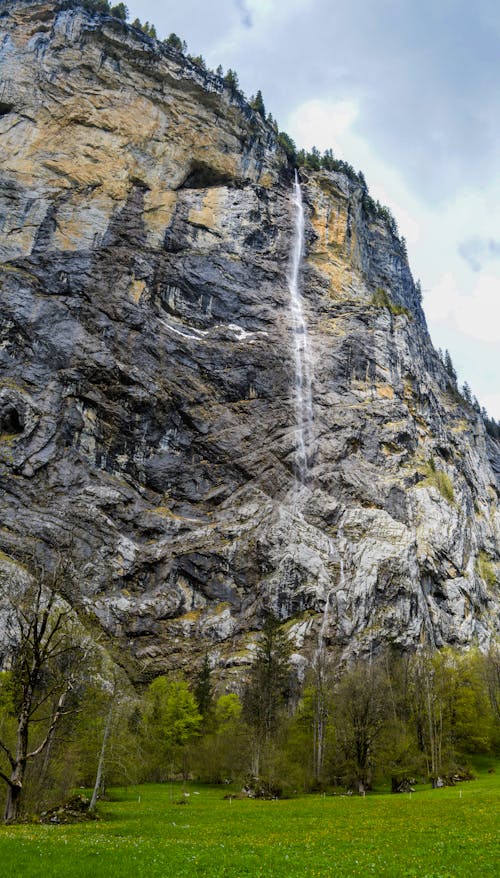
[(221, 755), (450, 709), (172, 723), (467, 393), (268, 686), (360, 699), (311, 733)]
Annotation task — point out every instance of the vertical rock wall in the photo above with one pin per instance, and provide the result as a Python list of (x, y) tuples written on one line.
[(147, 418)]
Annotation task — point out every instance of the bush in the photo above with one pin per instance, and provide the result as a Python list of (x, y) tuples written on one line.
[(440, 480), (486, 570), (381, 299)]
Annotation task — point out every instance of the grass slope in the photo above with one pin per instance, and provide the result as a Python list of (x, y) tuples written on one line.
[(443, 833)]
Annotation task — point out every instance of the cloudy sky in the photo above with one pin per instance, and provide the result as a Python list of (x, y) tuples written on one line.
[(408, 91)]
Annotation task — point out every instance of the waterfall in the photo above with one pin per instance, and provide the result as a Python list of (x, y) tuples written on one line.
[(337, 553), (324, 624), (301, 348)]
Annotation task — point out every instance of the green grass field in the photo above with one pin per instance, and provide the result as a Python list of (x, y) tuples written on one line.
[(431, 834)]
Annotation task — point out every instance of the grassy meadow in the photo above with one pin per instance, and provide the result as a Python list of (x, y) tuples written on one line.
[(143, 831)]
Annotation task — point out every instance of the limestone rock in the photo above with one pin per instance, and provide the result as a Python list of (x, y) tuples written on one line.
[(147, 415)]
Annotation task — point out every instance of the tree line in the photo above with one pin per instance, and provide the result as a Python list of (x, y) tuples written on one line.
[(69, 716)]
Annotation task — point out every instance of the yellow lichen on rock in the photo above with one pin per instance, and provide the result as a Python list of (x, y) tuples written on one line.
[(137, 288), (208, 214), (82, 220), (385, 391), (159, 207), (334, 251), (330, 224)]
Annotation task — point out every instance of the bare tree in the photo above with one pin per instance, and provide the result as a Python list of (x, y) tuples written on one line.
[(48, 656), (108, 725)]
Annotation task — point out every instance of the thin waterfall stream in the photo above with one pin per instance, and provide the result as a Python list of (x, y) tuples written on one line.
[(303, 397), (301, 347)]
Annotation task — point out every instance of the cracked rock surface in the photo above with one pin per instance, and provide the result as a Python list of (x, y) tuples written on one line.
[(147, 409)]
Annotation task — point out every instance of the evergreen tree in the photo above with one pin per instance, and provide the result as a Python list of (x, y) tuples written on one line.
[(448, 365), (265, 697), (328, 160), (257, 104), (203, 690), (288, 145), (120, 11), (198, 60), (313, 159), (101, 6), (268, 686), (231, 79), (362, 180), (175, 42), (466, 393)]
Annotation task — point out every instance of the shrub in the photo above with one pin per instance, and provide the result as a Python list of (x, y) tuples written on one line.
[(485, 569), (440, 480), (381, 299)]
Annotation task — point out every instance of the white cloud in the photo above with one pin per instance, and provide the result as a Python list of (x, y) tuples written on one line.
[(475, 314), (275, 8), (238, 43), (332, 124), (324, 124), (441, 299), (491, 402), (479, 314)]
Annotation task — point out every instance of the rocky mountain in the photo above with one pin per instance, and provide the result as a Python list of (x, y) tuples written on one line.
[(149, 424)]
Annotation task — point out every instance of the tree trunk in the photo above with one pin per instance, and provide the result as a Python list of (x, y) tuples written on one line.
[(13, 802), (102, 756)]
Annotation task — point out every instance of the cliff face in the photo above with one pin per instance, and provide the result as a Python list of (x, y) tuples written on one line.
[(147, 408)]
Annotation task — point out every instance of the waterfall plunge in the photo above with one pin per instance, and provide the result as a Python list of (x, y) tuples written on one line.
[(301, 348)]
